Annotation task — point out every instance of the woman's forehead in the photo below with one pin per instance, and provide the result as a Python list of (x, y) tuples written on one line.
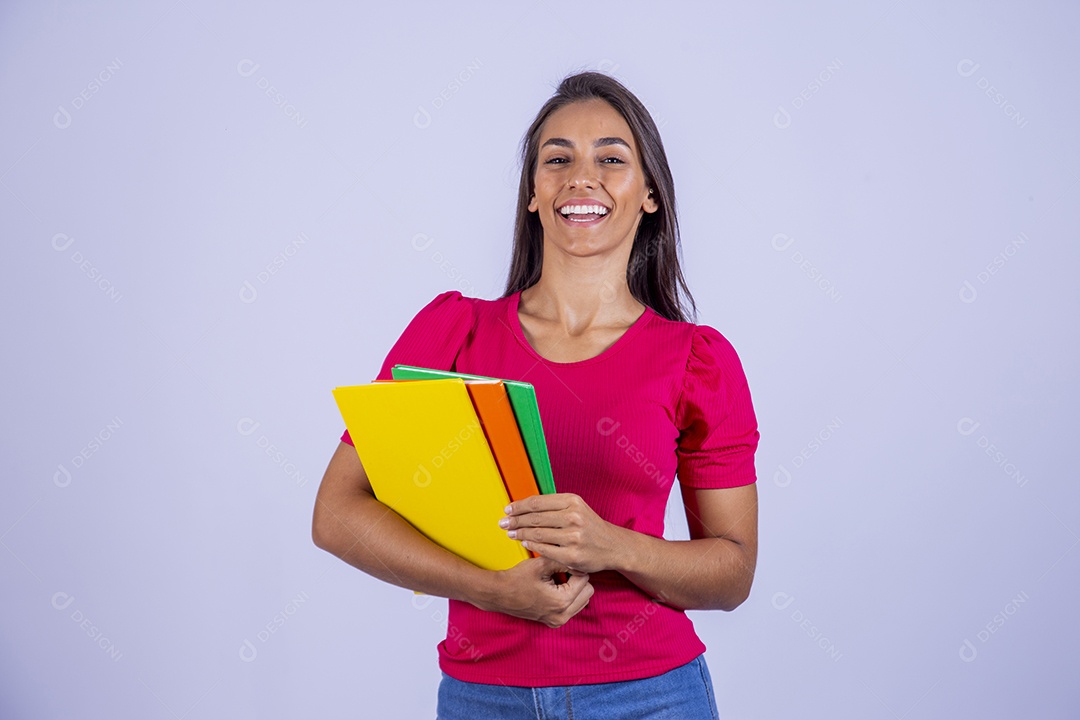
[(586, 119)]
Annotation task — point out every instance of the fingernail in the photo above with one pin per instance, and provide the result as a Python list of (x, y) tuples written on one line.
[(512, 533), (504, 522), (507, 509)]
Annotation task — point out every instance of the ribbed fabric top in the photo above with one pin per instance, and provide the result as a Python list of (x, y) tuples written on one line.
[(667, 397)]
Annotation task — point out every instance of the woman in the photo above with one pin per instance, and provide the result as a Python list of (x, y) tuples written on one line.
[(630, 394)]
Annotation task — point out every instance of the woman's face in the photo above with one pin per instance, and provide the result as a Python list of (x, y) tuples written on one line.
[(590, 183)]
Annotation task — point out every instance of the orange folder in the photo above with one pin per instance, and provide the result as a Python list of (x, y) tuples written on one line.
[(497, 420)]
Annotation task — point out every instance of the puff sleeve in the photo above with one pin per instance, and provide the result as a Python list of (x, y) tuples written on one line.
[(718, 432), (433, 338)]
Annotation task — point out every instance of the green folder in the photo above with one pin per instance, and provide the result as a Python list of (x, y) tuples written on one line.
[(527, 413)]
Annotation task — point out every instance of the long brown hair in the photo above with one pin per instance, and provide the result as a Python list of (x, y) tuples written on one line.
[(653, 273)]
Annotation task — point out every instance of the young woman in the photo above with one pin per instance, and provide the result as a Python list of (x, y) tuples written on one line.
[(631, 394)]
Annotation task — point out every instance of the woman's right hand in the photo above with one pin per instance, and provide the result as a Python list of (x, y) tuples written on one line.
[(528, 590), (346, 510)]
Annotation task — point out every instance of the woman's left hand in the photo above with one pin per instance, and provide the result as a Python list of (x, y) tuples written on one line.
[(564, 528)]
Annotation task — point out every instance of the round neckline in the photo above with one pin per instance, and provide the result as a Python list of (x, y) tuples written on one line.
[(519, 333)]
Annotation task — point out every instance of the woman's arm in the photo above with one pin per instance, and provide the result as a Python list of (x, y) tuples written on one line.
[(712, 571), (352, 524), (715, 568)]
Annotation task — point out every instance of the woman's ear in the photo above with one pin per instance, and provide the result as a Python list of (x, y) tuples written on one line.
[(651, 203), (532, 203)]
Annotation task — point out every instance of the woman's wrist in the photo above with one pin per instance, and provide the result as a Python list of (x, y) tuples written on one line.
[(627, 549), (482, 590)]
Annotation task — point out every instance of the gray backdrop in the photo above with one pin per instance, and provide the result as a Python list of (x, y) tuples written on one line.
[(213, 215)]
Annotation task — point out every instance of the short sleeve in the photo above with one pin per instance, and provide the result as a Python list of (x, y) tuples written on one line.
[(718, 432), (433, 338)]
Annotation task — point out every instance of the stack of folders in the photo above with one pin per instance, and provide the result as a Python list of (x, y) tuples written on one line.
[(448, 452)]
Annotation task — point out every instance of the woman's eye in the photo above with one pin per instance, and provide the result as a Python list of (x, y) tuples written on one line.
[(555, 161), (612, 160)]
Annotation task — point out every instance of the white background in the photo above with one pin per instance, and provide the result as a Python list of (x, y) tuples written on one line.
[(210, 216)]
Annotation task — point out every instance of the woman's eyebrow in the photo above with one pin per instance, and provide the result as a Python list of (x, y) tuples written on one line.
[(611, 141), (600, 142)]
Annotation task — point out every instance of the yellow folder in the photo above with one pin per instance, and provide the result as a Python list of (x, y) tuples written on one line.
[(425, 453)]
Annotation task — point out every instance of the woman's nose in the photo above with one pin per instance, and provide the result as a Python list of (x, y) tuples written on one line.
[(582, 176)]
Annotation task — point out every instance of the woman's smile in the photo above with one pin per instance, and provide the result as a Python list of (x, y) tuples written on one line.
[(584, 212)]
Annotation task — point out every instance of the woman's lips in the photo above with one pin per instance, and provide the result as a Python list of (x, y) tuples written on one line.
[(582, 220)]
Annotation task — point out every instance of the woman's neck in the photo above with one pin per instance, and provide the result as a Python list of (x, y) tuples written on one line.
[(580, 306)]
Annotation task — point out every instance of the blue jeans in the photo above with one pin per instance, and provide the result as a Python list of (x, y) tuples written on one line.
[(685, 693)]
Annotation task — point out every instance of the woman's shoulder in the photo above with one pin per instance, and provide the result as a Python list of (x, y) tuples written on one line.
[(702, 345), (436, 333), (451, 311), (704, 357), (449, 301), (448, 314), (454, 304)]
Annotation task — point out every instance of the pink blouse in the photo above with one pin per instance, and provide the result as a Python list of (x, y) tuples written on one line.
[(667, 398)]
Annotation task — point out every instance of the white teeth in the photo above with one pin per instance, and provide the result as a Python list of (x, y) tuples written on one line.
[(583, 210)]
